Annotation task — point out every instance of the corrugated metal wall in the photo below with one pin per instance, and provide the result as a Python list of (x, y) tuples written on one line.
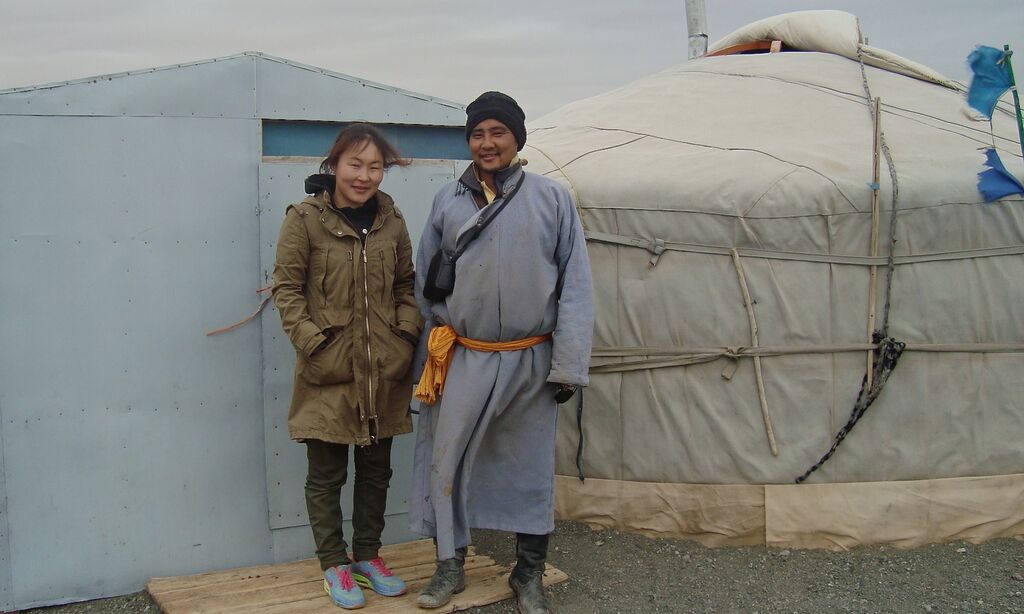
[(6, 597), (134, 220), (131, 441)]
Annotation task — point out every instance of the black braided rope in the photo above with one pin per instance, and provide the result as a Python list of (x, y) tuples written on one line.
[(887, 353), (887, 349)]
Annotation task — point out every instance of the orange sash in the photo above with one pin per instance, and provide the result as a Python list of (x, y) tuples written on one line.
[(439, 356)]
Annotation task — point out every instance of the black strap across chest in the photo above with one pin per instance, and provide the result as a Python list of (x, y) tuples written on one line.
[(484, 220)]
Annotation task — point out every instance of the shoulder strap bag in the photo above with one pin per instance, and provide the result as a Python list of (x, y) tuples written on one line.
[(440, 280)]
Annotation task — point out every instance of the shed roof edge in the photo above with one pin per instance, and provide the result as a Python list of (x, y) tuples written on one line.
[(244, 54)]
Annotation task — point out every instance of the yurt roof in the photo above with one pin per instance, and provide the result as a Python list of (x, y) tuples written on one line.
[(770, 135), (835, 32)]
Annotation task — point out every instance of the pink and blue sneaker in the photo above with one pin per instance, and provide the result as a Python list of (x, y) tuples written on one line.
[(376, 576), (341, 586)]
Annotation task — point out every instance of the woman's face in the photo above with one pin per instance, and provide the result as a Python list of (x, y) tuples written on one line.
[(359, 171)]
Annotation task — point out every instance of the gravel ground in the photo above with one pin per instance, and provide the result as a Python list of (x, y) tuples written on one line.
[(611, 571)]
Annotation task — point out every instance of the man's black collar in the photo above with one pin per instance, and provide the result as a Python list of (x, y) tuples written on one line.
[(470, 180)]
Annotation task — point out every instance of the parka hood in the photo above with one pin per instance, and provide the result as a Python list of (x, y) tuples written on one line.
[(320, 182)]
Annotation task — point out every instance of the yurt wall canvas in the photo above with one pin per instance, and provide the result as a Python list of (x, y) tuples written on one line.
[(746, 180)]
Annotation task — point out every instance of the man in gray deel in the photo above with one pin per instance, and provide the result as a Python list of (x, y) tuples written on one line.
[(503, 280)]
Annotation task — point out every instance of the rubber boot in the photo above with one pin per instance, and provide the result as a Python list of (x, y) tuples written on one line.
[(527, 577), (449, 578)]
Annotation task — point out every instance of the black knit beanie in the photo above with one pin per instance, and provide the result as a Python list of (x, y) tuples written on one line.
[(495, 105)]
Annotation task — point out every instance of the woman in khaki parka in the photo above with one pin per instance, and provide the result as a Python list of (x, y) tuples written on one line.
[(343, 285)]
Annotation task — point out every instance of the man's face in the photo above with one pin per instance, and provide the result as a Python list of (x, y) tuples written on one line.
[(492, 146)]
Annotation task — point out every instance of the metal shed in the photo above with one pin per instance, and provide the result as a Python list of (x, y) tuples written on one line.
[(140, 210)]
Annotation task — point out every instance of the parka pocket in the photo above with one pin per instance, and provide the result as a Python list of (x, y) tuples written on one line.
[(395, 362), (338, 282), (332, 364), (388, 262), (316, 278)]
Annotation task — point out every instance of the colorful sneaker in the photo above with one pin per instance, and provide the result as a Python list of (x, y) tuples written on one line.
[(340, 585), (376, 576)]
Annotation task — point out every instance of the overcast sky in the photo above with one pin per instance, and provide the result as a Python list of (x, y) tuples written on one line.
[(544, 53)]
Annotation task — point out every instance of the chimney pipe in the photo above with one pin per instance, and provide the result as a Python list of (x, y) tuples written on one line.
[(696, 27)]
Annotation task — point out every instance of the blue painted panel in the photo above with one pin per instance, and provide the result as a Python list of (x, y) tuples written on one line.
[(183, 91), (133, 444), (314, 139), (6, 593), (286, 90)]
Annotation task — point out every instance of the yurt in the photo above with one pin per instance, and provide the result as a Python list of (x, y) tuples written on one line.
[(780, 241)]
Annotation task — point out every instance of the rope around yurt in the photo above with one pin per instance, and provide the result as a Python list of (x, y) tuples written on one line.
[(887, 349)]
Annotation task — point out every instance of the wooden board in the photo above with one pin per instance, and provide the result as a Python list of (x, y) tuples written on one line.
[(293, 588)]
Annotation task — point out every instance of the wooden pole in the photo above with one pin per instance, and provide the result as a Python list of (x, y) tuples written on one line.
[(1016, 97), (873, 274), (758, 375)]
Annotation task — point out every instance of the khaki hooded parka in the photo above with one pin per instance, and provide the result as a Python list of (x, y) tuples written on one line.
[(329, 287)]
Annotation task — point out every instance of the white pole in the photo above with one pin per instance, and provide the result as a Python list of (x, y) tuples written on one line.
[(697, 28)]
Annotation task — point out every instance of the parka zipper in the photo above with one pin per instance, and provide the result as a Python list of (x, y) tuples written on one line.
[(372, 410), (369, 357)]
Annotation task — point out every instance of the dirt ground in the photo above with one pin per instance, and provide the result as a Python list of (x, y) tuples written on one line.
[(611, 571)]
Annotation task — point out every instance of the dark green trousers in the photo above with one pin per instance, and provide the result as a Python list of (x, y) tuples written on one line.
[(328, 472)]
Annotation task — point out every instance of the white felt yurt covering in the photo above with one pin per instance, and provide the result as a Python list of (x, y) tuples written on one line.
[(756, 171)]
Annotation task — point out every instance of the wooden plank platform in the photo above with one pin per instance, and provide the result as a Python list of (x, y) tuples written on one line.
[(294, 588)]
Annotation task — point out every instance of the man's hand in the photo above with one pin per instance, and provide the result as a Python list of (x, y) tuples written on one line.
[(564, 392)]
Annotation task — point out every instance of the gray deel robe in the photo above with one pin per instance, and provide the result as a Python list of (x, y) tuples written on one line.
[(485, 452)]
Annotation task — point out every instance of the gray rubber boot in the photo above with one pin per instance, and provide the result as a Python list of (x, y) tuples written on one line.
[(449, 578)]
